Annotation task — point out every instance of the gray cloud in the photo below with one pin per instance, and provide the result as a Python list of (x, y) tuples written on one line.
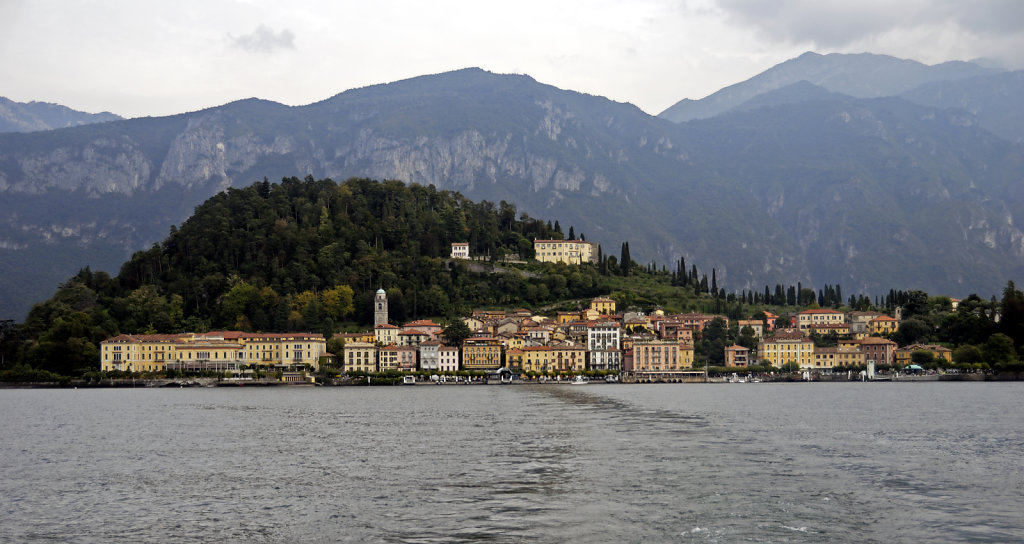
[(265, 40), (837, 23)]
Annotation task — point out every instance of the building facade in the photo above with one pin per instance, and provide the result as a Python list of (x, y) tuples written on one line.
[(380, 308), (786, 346), (460, 250), (217, 351), (563, 251)]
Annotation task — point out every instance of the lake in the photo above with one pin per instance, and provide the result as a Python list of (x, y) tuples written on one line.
[(792, 462)]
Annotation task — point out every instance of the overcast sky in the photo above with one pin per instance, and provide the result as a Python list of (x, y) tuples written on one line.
[(150, 57)]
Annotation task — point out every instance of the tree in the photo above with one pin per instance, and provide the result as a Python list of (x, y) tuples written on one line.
[(967, 354), (338, 301), (998, 350), (1011, 308), (456, 332), (911, 331)]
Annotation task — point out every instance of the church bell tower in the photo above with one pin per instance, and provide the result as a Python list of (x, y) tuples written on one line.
[(380, 308)]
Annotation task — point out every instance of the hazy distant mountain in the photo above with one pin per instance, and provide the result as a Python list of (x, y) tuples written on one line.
[(798, 185), (997, 100), (33, 116), (862, 75)]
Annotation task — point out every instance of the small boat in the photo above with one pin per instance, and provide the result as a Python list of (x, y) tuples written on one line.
[(579, 380), (409, 380)]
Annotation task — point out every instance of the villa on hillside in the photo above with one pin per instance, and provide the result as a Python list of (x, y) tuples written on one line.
[(564, 251)]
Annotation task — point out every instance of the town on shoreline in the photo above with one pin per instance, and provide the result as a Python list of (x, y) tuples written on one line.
[(496, 346)]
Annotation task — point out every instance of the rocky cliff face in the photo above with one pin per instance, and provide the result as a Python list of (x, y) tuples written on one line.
[(873, 194)]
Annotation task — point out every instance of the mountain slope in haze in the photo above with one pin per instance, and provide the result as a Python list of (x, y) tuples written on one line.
[(804, 185), (33, 116), (861, 75), (996, 100), (878, 188)]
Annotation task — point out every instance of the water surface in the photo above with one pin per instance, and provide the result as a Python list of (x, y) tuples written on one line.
[(798, 462)]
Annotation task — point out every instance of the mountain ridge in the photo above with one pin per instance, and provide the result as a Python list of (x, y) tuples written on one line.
[(36, 116), (723, 191)]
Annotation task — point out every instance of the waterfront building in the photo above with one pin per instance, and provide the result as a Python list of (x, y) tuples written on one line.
[(661, 356), (514, 359), (828, 358), (567, 358), (387, 358), (407, 358), (218, 351), (785, 346), (137, 352), (904, 356), (880, 350), (564, 251), (430, 355), (360, 357), (481, 353), (737, 355), (447, 359)]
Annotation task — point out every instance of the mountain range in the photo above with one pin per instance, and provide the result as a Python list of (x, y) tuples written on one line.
[(811, 171), (33, 116)]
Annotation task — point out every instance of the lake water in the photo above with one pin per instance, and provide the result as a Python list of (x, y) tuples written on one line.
[(892, 462)]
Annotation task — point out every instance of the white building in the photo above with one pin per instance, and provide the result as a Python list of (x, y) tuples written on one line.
[(460, 250), (430, 355), (447, 359)]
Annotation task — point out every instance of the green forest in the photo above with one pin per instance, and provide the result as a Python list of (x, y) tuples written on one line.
[(308, 255), (299, 255)]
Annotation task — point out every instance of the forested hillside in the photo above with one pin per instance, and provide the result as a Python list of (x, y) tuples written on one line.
[(300, 255)]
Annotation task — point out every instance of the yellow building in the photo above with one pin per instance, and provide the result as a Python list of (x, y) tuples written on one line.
[(360, 357), (832, 357), (563, 251), (841, 330), (603, 305), (569, 358), (787, 345), (807, 318), (661, 356), (883, 326), (218, 351), (514, 359), (566, 317), (138, 352), (386, 334), (481, 353), (904, 355)]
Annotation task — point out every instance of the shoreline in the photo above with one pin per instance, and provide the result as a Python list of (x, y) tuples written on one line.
[(213, 382)]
